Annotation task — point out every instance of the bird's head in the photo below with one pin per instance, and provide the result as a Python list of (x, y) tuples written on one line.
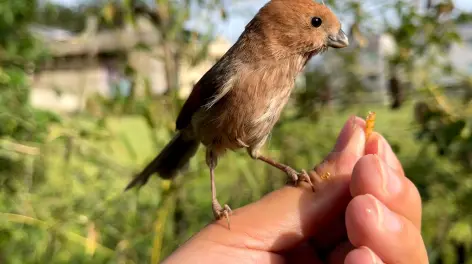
[(303, 26)]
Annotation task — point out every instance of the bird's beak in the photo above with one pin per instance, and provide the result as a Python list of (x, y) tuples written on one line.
[(339, 40)]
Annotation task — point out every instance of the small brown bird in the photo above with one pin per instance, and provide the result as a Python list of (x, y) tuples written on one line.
[(238, 101)]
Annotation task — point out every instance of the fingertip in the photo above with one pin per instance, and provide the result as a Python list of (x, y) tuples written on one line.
[(390, 235), (365, 168), (359, 121), (372, 143), (355, 217), (377, 144), (364, 219), (350, 135), (362, 255)]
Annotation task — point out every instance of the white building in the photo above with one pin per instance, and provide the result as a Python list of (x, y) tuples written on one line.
[(461, 54), (86, 64), (372, 58)]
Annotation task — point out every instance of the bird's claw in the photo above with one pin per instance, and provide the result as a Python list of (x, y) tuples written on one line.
[(297, 177), (220, 212)]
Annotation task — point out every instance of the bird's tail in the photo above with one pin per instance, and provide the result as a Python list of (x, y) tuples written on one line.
[(174, 157)]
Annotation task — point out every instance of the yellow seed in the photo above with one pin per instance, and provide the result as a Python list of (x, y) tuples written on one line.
[(325, 176), (369, 124)]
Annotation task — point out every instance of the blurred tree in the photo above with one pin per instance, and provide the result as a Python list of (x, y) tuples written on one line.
[(17, 45), (21, 124), (176, 41), (68, 18)]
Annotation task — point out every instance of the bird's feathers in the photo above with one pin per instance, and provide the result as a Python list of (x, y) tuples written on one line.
[(280, 32), (208, 90)]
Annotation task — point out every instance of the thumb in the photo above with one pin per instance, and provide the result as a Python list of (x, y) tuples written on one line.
[(288, 216)]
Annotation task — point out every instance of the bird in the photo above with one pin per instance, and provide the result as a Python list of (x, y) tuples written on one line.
[(237, 102)]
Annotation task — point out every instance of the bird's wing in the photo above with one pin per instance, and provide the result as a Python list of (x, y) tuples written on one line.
[(193, 103), (209, 89)]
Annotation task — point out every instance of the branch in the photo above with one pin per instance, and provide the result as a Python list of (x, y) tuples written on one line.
[(442, 102), (26, 220), (19, 148)]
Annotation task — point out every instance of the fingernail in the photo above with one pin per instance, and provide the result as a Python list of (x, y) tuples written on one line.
[(391, 222), (390, 182), (386, 219), (386, 153), (349, 136)]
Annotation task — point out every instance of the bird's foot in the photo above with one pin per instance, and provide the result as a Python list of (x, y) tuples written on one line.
[(298, 177), (220, 212)]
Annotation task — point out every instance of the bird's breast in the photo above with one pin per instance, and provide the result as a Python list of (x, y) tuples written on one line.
[(248, 111)]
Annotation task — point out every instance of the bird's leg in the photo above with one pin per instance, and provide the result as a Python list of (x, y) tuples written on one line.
[(218, 210), (293, 174), (296, 177)]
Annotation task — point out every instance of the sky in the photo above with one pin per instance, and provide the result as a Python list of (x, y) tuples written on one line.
[(235, 25), (241, 11)]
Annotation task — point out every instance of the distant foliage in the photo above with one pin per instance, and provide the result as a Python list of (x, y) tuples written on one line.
[(444, 119), (20, 123)]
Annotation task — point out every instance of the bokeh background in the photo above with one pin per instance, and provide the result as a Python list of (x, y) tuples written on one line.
[(89, 91)]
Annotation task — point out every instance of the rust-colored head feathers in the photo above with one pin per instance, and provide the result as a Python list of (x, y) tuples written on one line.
[(302, 26)]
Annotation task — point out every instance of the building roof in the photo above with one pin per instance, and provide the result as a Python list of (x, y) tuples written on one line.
[(63, 43), (51, 33)]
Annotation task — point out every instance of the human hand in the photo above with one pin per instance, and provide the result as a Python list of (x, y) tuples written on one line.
[(367, 212)]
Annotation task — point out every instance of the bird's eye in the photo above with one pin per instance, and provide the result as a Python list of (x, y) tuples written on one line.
[(316, 22)]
